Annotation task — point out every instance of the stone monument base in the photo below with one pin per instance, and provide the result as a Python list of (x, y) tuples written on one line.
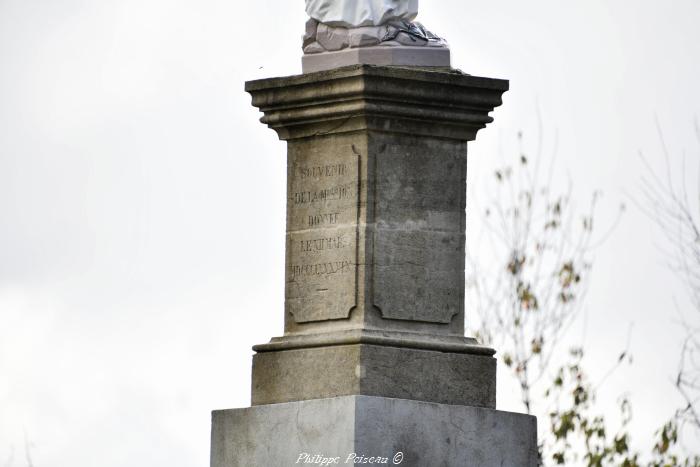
[(372, 431), (457, 374), (424, 57)]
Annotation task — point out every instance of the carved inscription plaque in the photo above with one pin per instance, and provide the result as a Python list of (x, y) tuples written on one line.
[(321, 254)]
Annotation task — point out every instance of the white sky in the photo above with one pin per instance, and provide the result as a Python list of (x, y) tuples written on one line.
[(142, 204)]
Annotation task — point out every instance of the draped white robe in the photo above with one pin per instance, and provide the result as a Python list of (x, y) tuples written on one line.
[(356, 13)]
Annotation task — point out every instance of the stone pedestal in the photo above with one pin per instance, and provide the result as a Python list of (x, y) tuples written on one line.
[(374, 282), (376, 187), (372, 431)]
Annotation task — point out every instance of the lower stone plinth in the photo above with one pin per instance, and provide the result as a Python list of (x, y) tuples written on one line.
[(355, 429), (374, 370)]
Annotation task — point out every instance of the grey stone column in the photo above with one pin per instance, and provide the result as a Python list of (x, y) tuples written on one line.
[(376, 186), (373, 357)]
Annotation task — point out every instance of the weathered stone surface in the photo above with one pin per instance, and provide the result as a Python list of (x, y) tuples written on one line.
[(425, 434), (400, 138), (373, 360), (395, 228), (444, 104), (420, 190), (393, 256), (375, 370), (322, 217), (374, 297), (275, 435)]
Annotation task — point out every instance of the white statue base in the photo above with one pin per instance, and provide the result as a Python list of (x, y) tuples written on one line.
[(400, 43), (424, 57)]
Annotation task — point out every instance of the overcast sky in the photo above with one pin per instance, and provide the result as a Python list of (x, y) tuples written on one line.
[(142, 203)]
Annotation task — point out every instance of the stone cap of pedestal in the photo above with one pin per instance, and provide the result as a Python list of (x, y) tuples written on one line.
[(442, 104)]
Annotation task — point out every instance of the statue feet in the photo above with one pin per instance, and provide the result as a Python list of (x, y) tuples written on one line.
[(320, 37)]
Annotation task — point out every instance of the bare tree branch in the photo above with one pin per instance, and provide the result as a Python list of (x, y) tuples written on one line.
[(672, 209)]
